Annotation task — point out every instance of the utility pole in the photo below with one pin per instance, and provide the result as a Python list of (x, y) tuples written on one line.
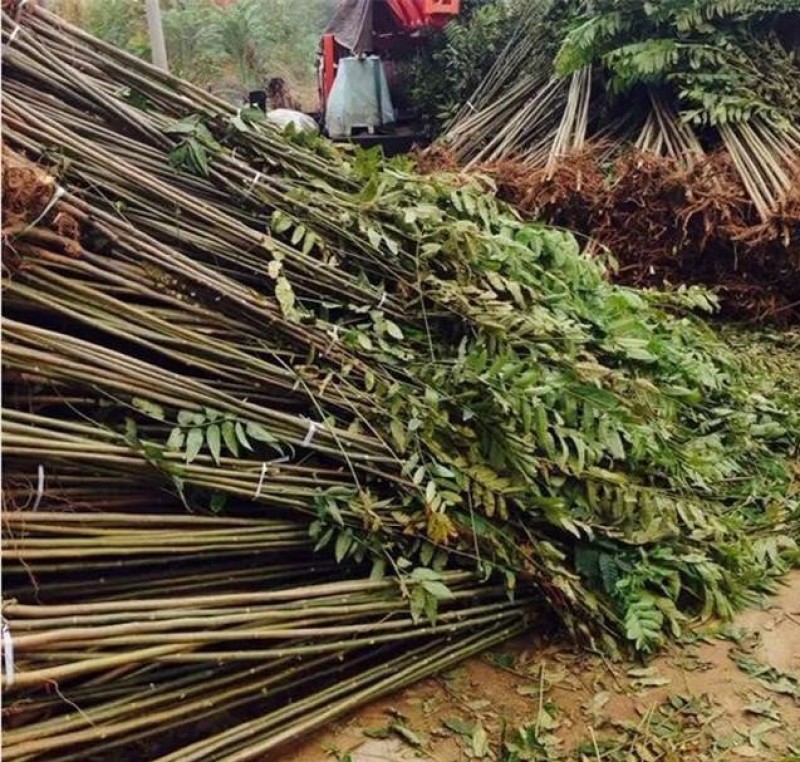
[(156, 34)]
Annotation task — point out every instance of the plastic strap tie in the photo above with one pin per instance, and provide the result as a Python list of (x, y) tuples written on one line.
[(382, 301), (313, 427), (474, 110), (8, 654), (261, 481), (15, 30), (59, 192), (263, 476), (39, 488), (253, 182)]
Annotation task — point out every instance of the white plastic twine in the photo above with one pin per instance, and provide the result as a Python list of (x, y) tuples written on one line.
[(253, 182), (260, 481), (15, 30), (57, 194), (264, 466), (39, 488), (8, 653), (313, 427)]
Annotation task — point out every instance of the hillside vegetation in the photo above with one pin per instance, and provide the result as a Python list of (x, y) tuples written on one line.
[(228, 48)]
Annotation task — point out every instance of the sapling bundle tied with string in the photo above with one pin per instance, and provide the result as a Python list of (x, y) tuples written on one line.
[(287, 428)]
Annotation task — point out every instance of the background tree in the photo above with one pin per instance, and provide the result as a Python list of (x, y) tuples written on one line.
[(229, 48)]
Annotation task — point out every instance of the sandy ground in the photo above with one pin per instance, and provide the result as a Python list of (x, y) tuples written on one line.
[(732, 692)]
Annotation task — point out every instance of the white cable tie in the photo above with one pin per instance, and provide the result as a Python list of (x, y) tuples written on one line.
[(39, 488), (59, 192), (253, 182), (335, 332), (8, 654), (382, 301), (15, 30), (313, 427), (474, 110), (262, 477), (261, 481)]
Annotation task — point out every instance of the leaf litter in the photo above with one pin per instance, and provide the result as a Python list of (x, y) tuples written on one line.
[(550, 704)]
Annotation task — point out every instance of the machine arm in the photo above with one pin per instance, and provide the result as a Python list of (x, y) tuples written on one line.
[(419, 14)]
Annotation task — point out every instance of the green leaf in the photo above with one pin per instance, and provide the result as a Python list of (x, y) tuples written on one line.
[(258, 432), (241, 435), (417, 604), (185, 417), (298, 234), (229, 437), (176, 439), (343, 543), (131, 432), (308, 242), (286, 299), (280, 223), (398, 434), (421, 574), (431, 608), (643, 625), (378, 570), (214, 441), (152, 409), (218, 502), (381, 733), (479, 741), (324, 540), (407, 735), (198, 157), (394, 330), (438, 590), (459, 726), (194, 442)]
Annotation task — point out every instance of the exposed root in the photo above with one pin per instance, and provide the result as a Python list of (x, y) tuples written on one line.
[(666, 223)]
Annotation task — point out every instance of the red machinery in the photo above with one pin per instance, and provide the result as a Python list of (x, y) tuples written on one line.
[(386, 28)]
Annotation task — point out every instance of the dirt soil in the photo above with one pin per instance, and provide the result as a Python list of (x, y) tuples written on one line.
[(727, 692)]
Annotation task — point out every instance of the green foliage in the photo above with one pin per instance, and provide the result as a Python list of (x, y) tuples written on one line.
[(444, 73), (195, 142), (712, 54), (238, 45), (576, 422), (194, 40), (215, 431), (119, 22)]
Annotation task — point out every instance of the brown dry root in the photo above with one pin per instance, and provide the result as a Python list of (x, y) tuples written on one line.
[(435, 158), (26, 190), (28, 225), (667, 224)]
